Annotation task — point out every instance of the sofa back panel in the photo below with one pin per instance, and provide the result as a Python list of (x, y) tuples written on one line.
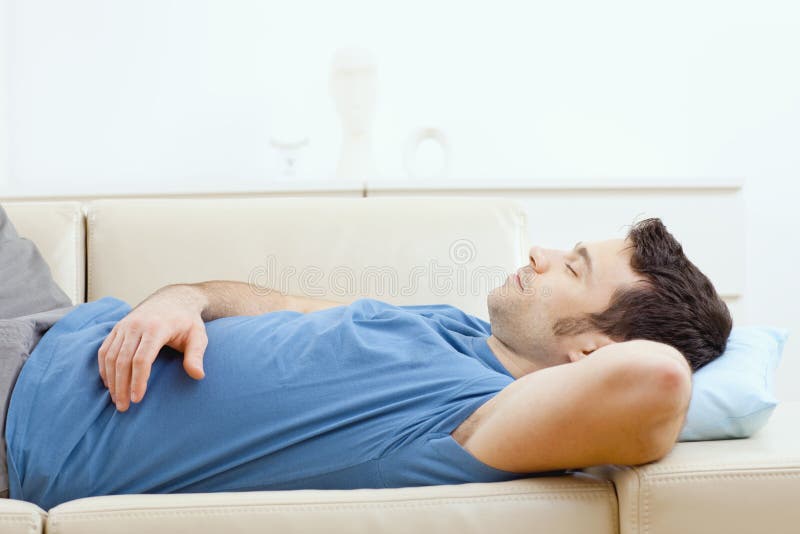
[(401, 250), (58, 230), (555, 505)]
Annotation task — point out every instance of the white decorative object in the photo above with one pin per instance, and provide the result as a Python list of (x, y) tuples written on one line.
[(289, 151), (353, 87), (289, 138), (410, 159)]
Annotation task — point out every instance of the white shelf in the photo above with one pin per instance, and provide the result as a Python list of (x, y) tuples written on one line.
[(330, 187), (716, 183), (334, 187)]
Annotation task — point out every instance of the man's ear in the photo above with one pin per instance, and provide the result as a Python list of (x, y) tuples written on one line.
[(586, 344)]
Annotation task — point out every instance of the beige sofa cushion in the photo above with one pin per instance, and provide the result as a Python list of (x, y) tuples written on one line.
[(19, 517), (554, 505), (401, 250), (58, 229), (731, 486)]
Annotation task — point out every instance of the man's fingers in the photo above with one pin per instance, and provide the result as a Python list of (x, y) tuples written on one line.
[(193, 355), (122, 386), (111, 362), (126, 356), (101, 355), (146, 354)]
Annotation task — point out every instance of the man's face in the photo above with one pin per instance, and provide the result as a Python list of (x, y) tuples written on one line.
[(558, 284)]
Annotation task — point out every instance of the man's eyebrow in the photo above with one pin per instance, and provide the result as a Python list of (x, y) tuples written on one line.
[(584, 253)]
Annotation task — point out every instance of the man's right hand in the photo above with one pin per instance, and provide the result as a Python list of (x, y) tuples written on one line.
[(175, 316), (169, 317)]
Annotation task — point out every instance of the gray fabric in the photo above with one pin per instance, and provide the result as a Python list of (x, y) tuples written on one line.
[(18, 338), (30, 303), (26, 284)]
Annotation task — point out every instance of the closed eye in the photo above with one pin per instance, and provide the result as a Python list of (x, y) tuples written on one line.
[(571, 270)]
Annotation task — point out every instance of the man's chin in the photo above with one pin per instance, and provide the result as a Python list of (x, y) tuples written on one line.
[(491, 301), (497, 300)]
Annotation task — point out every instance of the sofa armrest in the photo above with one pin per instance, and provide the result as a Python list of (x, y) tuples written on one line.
[(726, 486)]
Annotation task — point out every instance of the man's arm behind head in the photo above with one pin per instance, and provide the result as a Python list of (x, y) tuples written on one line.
[(623, 404)]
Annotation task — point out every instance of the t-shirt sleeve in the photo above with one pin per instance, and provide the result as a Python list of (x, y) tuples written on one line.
[(452, 318)]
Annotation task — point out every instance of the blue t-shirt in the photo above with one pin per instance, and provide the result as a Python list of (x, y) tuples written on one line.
[(358, 396)]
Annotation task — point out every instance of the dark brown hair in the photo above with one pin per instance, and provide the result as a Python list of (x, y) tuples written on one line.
[(676, 304)]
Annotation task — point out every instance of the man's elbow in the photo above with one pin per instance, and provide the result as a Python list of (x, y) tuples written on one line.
[(672, 391)]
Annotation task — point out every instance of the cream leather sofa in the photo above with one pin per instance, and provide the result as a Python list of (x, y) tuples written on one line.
[(130, 247)]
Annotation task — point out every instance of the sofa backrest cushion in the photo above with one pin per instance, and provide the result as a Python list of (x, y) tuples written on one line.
[(57, 228), (401, 250)]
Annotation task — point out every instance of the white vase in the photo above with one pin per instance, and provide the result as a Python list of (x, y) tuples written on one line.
[(353, 88)]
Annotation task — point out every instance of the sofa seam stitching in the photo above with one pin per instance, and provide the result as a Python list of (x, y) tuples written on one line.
[(637, 505), (673, 470), (580, 490), (722, 476), (613, 503), (20, 519), (90, 246), (272, 508), (75, 250), (646, 505)]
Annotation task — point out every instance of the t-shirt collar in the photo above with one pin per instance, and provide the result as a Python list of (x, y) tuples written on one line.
[(484, 352)]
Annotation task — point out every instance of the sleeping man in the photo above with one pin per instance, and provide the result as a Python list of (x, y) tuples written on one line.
[(586, 360)]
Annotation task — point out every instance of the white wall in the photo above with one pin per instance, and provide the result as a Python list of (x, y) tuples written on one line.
[(153, 95), (4, 24)]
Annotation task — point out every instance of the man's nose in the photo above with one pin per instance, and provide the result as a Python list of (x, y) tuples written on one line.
[(538, 259)]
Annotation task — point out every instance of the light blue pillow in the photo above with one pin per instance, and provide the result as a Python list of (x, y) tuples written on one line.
[(732, 396)]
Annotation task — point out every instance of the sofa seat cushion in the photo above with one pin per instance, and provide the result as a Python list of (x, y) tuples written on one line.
[(21, 517), (564, 504), (731, 486)]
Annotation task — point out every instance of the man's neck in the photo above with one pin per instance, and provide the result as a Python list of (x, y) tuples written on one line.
[(517, 365)]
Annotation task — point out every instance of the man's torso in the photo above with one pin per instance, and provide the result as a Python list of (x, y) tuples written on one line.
[(365, 395)]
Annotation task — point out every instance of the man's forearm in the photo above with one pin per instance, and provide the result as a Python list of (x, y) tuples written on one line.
[(225, 298)]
